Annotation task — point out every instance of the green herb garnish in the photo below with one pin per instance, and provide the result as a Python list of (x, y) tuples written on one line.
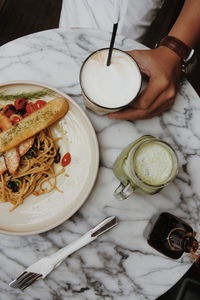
[(29, 95)]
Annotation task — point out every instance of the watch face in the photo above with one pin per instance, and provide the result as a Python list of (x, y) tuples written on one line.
[(190, 56), (189, 65)]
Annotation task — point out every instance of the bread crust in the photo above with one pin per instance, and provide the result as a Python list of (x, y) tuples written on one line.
[(34, 123)]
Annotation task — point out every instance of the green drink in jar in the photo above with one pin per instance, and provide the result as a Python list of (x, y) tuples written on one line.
[(148, 164)]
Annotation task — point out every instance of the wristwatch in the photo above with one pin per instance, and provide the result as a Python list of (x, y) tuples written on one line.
[(186, 53)]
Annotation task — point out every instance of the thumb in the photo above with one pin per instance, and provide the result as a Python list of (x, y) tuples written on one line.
[(139, 57)]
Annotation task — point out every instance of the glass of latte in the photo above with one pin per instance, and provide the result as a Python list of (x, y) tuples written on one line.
[(109, 88), (147, 165)]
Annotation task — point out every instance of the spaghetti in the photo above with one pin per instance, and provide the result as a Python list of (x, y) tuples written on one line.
[(36, 173)]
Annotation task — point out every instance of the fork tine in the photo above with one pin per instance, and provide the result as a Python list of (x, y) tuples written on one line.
[(21, 282), (23, 279), (20, 279), (15, 282), (30, 281)]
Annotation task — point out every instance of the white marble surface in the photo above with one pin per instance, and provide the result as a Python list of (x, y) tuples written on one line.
[(119, 265)]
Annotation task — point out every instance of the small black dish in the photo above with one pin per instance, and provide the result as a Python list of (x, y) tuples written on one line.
[(190, 290)]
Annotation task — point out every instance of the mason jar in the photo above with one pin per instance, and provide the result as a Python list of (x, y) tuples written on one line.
[(146, 165)]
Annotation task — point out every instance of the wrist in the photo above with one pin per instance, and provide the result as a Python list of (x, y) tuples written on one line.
[(178, 46), (169, 55), (180, 49)]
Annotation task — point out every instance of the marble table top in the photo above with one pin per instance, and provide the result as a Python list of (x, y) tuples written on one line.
[(120, 265)]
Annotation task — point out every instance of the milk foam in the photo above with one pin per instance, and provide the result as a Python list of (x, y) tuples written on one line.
[(111, 86), (153, 164)]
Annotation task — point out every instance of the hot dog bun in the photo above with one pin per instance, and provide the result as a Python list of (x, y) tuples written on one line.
[(32, 124)]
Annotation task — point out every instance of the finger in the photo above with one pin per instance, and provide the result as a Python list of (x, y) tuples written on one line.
[(129, 114), (138, 56), (140, 114), (162, 107), (160, 111), (148, 96), (166, 98)]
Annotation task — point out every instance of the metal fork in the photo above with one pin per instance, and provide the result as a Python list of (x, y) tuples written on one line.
[(45, 265)]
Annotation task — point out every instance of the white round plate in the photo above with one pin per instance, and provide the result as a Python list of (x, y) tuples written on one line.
[(44, 212)]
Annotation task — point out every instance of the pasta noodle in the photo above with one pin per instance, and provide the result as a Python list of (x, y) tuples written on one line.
[(36, 173)]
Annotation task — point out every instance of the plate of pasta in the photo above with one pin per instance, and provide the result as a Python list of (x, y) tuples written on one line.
[(49, 157)]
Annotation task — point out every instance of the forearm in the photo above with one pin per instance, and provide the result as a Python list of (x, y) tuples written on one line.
[(187, 26)]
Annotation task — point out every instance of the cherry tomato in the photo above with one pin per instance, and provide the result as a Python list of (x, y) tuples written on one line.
[(39, 104), (30, 108), (20, 103), (9, 110), (15, 118), (66, 159)]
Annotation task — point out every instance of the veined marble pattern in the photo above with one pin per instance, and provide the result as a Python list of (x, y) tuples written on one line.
[(119, 265)]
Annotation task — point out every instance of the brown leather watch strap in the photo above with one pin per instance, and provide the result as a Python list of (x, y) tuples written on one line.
[(176, 45)]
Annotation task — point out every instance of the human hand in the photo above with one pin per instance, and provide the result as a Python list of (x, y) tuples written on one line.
[(163, 68)]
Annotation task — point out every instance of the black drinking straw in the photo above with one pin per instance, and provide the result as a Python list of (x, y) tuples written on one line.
[(112, 43)]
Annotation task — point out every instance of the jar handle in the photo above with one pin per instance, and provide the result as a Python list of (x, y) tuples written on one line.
[(122, 192)]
